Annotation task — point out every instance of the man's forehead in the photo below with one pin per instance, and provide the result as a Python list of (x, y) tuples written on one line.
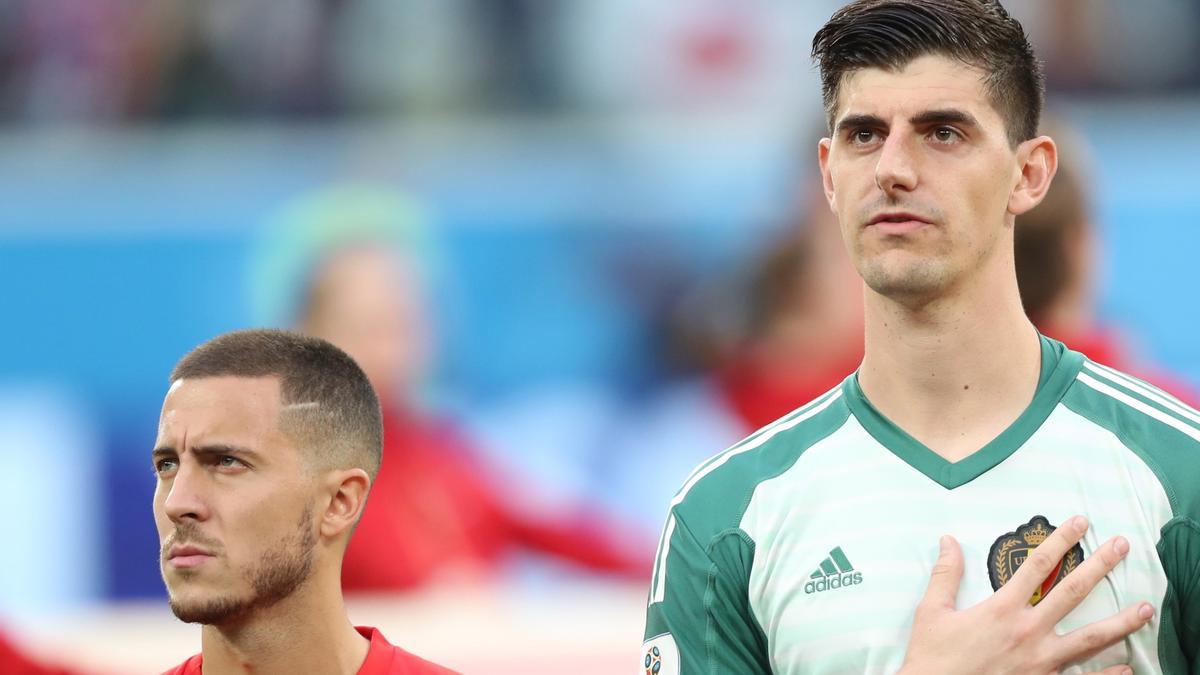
[(223, 403), (928, 82)]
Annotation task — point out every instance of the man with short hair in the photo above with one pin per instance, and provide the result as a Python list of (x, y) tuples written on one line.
[(266, 449), (805, 548)]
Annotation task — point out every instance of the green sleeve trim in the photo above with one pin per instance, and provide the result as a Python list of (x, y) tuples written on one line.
[(706, 605), (742, 544), (1179, 624)]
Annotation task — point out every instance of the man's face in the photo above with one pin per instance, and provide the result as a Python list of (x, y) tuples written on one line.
[(920, 173), (232, 502), (369, 301)]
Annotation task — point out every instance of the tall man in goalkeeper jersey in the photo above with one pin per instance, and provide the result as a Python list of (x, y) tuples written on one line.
[(805, 548)]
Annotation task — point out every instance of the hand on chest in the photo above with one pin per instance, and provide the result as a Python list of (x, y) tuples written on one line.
[(846, 597)]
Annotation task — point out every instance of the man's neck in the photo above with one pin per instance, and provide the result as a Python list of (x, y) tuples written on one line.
[(307, 632), (955, 372)]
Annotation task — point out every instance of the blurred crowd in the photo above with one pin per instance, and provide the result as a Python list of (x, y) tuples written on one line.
[(120, 61)]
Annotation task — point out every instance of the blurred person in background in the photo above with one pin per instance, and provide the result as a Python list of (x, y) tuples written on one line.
[(1057, 256), (267, 446), (351, 265), (805, 321), (785, 329)]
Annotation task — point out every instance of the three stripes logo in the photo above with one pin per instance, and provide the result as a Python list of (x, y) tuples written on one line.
[(834, 572)]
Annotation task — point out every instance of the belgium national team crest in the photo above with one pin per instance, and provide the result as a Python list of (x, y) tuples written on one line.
[(1010, 550)]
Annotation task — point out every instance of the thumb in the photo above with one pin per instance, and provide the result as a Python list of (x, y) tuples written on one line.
[(946, 576)]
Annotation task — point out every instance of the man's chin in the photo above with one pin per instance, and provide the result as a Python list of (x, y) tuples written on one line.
[(904, 279), (207, 610)]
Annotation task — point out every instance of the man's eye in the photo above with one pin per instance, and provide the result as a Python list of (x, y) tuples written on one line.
[(229, 461), (945, 135), (165, 465), (863, 136)]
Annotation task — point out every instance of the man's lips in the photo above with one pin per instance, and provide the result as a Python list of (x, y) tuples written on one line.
[(897, 222), (187, 556)]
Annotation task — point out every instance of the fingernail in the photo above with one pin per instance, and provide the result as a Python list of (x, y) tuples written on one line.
[(943, 544), (1146, 610), (1080, 524), (1121, 546)]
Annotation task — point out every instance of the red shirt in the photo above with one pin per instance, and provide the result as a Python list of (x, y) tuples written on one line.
[(434, 507), (759, 391), (15, 662), (382, 659), (1105, 346)]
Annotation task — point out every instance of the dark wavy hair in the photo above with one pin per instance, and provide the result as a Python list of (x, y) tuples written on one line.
[(889, 34)]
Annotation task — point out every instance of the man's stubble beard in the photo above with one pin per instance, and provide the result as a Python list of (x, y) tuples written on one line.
[(920, 277), (275, 576), (917, 279)]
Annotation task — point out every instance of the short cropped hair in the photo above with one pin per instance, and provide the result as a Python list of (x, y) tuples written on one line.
[(889, 34), (331, 410)]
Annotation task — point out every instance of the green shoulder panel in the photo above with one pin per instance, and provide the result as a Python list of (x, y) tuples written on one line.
[(716, 501), (1165, 434), (1163, 431), (699, 592)]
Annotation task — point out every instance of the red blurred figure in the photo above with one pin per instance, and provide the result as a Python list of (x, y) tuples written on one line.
[(805, 328), (1056, 255), (434, 509)]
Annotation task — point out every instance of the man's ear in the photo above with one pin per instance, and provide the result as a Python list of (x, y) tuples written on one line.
[(823, 149), (346, 497), (1037, 160)]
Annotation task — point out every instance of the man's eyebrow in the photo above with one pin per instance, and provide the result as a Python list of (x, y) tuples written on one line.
[(926, 118), (207, 450), (223, 449), (856, 121), (944, 116)]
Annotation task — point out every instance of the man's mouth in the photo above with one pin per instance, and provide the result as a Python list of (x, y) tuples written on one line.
[(187, 556), (897, 222)]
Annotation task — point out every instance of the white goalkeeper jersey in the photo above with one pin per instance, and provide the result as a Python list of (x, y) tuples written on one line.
[(805, 548)]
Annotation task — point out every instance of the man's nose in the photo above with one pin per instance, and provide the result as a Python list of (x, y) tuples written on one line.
[(895, 171), (185, 498)]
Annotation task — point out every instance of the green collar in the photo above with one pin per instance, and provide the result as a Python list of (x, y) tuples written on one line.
[(1059, 368)]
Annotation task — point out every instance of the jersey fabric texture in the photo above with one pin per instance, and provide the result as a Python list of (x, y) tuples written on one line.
[(806, 547), (382, 659)]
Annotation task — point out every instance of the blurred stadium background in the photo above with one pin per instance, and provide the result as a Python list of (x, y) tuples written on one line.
[(580, 169)]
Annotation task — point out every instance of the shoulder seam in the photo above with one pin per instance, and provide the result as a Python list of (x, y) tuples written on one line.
[(1155, 468), (1146, 392), (752, 443), (1141, 406), (754, 435), (658, 578)]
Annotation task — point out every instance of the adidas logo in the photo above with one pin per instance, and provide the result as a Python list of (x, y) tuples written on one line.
[(834, 572)]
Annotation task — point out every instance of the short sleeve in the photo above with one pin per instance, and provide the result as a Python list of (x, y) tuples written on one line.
[(699, 613), (1179, 636)]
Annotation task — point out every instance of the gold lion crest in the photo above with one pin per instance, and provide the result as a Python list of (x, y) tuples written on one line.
[(1012, 549)]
